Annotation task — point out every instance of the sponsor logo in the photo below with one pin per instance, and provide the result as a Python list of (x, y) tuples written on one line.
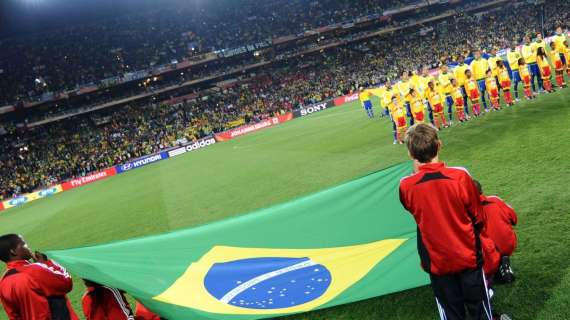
[(18, 201), (142, 162), (48, 192), (246, 129), (88, 179), (352, 97), (191, 147), (314, 108)]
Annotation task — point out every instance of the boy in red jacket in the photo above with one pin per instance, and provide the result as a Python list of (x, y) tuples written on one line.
[(104, 303), (33, 291), (445, 204), (500, 218)]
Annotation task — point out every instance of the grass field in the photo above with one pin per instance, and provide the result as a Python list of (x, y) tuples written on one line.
[(520, 153)]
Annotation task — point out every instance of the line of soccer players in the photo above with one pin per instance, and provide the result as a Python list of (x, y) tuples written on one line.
[(475, 81)]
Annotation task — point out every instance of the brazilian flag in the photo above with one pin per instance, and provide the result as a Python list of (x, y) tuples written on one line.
[(347, 243)]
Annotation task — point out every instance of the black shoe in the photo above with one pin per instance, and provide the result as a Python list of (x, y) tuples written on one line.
[(505, 271)]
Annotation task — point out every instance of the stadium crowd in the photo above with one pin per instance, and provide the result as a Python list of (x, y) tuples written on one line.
[(61, 150), (173, 33)]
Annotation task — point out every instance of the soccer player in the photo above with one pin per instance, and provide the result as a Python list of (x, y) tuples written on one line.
[(528, 52), (424, 80), (513, 57), (418, 106), (366, 103), (500, 218), (566, 55), (558, 40), (526, 79), (493, 59), (492, 90), (445, 83), (435, 98), (472, 90), (460, 76), (505, 82), (544, 67), (479, 67), (457, 94), (558, 64), (446, 207), (403, 87), (33, 290), (390, 107), (104, 303), (399, 116)]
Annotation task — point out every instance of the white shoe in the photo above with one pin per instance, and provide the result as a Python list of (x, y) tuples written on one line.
[(517, 99), (395, 142)]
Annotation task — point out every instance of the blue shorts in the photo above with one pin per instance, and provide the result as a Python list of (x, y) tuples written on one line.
[(482, 86), (516, 76), (367, 104), (533, 67), (563, 58)]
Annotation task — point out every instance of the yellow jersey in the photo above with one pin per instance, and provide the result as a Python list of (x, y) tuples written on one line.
[(418, 108), (434, 97), (457, 93), (513, 58), (559, 41), (364, 95), (528, 52), (404, 89), (416, 81), (524, 72), (387, 99), (399, 117), (460, 73), (491, 84), (503, 74), (424, 80), (536, 45), (556, 60), (542, 62), (479, 67), (445, 82), (493, 65)]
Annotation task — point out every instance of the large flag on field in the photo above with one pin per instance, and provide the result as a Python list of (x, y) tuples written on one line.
[(347, 243)]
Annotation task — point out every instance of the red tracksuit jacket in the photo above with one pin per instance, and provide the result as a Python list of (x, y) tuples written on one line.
[(499, 221), (144, 314), (446, 206), (104, 303), (28, 289)]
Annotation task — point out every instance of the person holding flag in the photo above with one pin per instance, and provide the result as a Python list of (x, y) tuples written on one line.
[(479, 67), (104, 303), (459, 74), (505, 82), (366, 103), (545, 71), (558, 64), (444, 79), (446, 207), (528, 51), (35, 290), (513, 57), (492, 90), (457, 94)]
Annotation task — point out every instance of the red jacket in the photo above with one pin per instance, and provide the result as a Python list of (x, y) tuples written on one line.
[(144, 314), (445, 204), (499, 221), (104, 303), (28, 289)]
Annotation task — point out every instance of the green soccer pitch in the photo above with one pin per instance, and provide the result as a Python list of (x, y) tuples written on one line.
[(521, 153)]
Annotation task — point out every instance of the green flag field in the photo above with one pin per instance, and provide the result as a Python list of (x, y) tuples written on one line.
[(313, 185)]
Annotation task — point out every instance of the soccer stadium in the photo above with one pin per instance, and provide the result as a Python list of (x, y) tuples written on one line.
[(284, 159)]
